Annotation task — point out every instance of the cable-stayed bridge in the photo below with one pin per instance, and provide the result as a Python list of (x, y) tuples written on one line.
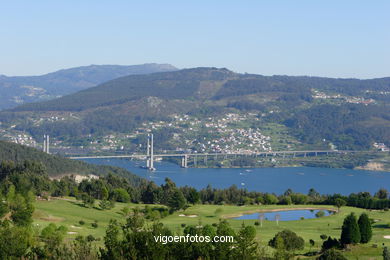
[(150, 156)]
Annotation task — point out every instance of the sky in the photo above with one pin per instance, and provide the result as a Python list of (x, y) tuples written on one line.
[(332, 38)]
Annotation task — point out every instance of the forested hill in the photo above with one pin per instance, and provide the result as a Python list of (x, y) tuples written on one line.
[(58, 166), (351, 113), (23, 89), (202, 84)]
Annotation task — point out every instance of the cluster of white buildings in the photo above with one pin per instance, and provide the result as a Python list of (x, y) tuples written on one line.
[(222, 135), (354, 100)]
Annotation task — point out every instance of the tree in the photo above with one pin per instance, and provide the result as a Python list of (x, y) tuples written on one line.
[(15, 241), (280, 250), (350, 232), (224, 250), (330, 243), (246, 246), (323, 236), (106, 204), (22, 210), (382, 194), (339, 203), (52, 236), (365, 228), (291, 240), (270, 199), (312, 243), (332, 254), (88, 200), (193, 196), (177, 200), (112, 243), (121, 195), (386, 254)]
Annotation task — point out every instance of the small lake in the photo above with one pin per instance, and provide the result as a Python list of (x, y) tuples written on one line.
[(276, 180), (286, 215)]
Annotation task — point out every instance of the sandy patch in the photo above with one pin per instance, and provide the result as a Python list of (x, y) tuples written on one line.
[(74, 227), (188, 216), (386, 237), (372, 166), (51, 218)]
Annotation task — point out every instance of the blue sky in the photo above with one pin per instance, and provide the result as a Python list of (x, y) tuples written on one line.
[(321, 38)]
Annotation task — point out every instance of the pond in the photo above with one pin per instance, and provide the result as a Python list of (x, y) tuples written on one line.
[(287, 215)]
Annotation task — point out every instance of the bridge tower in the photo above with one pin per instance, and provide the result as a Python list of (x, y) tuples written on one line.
[(150, 155), (46, 143)]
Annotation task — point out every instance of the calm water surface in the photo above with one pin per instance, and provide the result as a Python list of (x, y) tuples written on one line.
[(277, 180), (286, 215)]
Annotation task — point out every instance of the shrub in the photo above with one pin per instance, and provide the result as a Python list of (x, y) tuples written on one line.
[(332, 254), (320, 214), (90, 238), (290, 239), (95, 224), (81, 222)]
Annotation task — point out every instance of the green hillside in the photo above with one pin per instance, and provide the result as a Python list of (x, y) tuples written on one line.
[(349, 113), (57, 166)]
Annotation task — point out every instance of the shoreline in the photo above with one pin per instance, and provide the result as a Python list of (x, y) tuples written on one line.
[(358, 168)]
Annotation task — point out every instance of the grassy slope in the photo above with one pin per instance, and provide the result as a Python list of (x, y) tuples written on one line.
[(69, 213)]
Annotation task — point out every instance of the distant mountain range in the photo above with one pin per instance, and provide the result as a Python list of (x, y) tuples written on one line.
[(350, 113), (24, 89)]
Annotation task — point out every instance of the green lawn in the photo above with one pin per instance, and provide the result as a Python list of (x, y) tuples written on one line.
[(69, 212)]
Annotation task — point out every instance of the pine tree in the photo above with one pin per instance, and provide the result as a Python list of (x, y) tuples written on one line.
[(386, 254), (365, 228), (350, 233)]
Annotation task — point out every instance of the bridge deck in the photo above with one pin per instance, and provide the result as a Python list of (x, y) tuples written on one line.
[(212, 154)]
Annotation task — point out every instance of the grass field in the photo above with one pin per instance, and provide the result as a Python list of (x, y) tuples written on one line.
[(69, 212)]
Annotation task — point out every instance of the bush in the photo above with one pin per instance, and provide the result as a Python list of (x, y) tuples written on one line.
[(94, 224), (183, 225), (330, 243), (218, 211), (81, 222), (90, 238), (291, 240), (332, 254), (320, 214), (257, 223)]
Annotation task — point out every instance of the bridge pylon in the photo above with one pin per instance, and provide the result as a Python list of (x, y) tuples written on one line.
[(149, 154)]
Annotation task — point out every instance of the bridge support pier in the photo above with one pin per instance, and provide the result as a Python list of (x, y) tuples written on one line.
[(184, 161), (195, 160)]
